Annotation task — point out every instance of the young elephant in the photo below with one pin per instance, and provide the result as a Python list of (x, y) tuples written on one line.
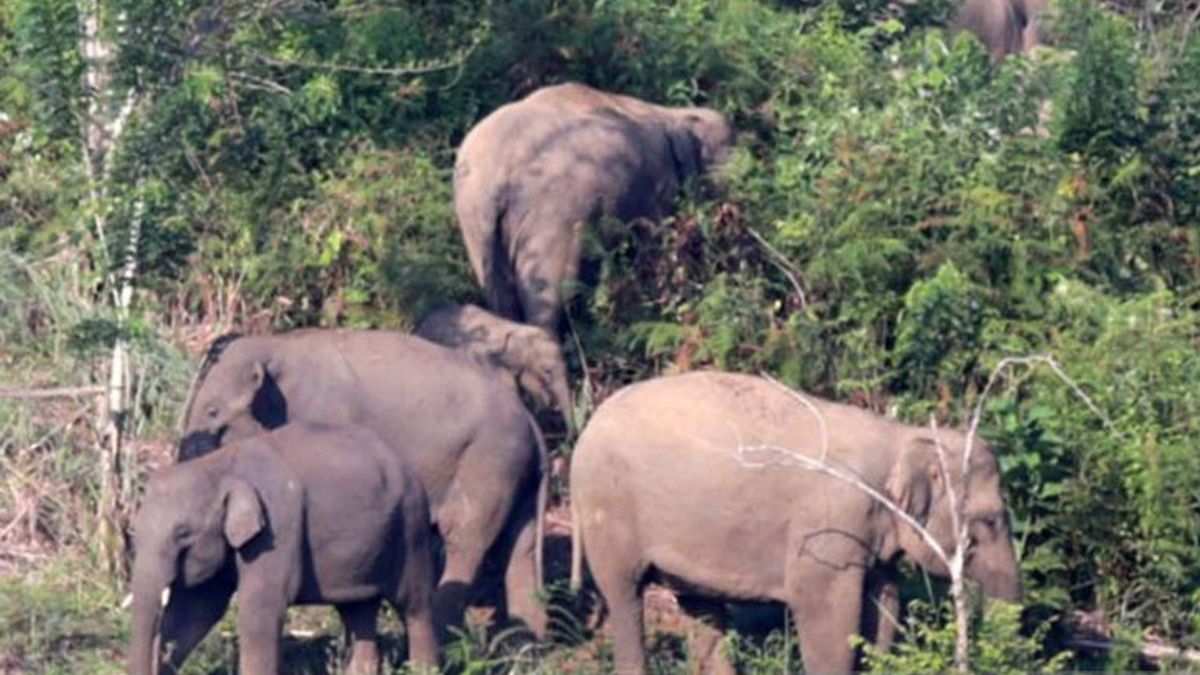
[(531, 354), (660, 489), (301, 515)]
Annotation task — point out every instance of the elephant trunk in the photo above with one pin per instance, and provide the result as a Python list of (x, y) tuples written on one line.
[(997, 572), (145, 648)]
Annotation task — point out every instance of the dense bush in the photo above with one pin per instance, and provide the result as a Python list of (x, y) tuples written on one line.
[(900, 215)]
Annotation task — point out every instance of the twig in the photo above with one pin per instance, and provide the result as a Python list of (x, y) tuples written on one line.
[(259, 83), (53, 392), (1153, 652), (790, 458), (782, 264), (812, 408), (417, 68)]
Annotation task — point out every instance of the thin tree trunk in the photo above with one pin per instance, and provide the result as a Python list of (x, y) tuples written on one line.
[(103, 126)]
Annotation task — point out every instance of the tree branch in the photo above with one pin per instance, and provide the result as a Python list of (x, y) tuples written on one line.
[(52, 392), (782, 264)]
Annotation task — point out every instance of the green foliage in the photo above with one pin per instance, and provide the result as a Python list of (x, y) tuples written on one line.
[(899, 215), (938, 331), (999, 644), (1098, 110)]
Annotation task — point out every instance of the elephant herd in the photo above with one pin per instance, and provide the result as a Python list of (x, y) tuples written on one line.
[(329, 466)]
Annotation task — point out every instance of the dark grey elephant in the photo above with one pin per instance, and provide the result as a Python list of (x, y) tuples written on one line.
[(299, 516), (534, 172), (1003, 26), (664, 486), (531, 354), (474, 446)]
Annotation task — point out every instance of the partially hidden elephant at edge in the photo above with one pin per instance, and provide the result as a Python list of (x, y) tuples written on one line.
[(1003, 26), (475, 448), (298, 516), (531, 354), (659, 491), (531, 174)]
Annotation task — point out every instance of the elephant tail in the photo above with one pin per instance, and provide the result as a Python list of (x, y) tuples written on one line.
[(543, 498), (576, 583), (480, 207)]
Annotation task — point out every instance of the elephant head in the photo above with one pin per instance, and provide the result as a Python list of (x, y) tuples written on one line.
[(236, 395), (700, 139), (192, 518), (920, 486), (536, 359)]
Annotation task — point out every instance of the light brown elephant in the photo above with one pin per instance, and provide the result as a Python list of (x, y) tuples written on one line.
[(533, 173), (1003, 26), (676, 480), (531, 354)]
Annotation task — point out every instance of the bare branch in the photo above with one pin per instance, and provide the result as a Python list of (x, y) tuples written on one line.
[(52, 392), (783, 265), (789, 458), (811, 407), (408, 70), (260, 83)]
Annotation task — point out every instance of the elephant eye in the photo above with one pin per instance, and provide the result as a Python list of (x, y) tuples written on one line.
[(212, 411), (992, 523)]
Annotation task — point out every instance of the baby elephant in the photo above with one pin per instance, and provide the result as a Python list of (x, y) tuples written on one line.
[(686, 479), (300, 515), (530, 353)]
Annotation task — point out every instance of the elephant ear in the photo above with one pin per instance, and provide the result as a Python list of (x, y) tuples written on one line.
[(244, 517), (685, 150), (916, 480)]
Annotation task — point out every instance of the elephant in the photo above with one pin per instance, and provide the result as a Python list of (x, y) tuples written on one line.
[(475, 448), (301, 515), (532, 174), (679, 479), (531, 354), (1003, 26)]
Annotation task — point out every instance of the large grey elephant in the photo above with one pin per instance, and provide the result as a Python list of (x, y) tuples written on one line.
[(534, 172), (1003, 26), (474, 446), (677, 479), (302, 515), (532, 355)]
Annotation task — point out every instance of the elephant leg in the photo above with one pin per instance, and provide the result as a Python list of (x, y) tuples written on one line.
[(621, 584), (881, 610), (625, 612), (470, 524), (260, 624), (705, 635), (359, 619), (413, 597), (520, 575), (192, 614), (827, 604), (422, 635)]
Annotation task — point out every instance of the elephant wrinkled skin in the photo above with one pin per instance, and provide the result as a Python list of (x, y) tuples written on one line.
[(661, 490), (475, 448), (531, 174), (300, 515)]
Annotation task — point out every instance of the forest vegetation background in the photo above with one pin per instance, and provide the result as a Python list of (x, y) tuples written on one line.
[(899, 216)]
